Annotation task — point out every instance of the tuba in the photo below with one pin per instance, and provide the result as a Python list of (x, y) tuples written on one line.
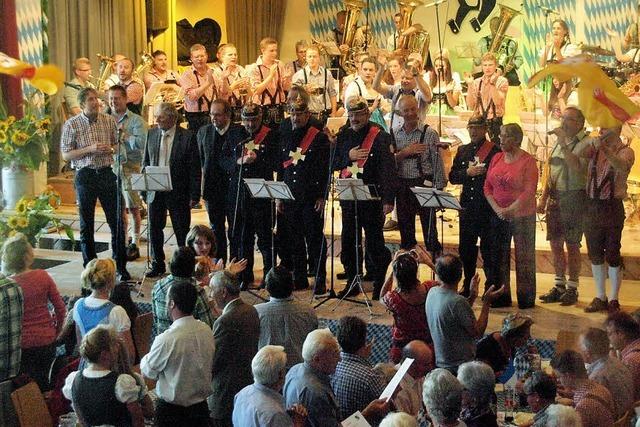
[(353, 8), (417, 42), (146, 62), (106, 63), (504, 58)]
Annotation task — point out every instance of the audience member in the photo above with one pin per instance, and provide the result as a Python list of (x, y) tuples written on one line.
[(452, 323), (607, 370), (592, 401), (11, 313), (39, 327), (100, 275), (406, 301), (236, 333), (180, 361), (309, 384), (260, 404), (354, 382), (283, 320), (624, 335), (478, 381), (182, 264), (409, 398), (563, 416), (101, 396), (540, 389), (498, 348), (399, 419), (442, 396)]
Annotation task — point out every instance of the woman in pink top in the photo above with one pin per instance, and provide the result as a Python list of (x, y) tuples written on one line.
[(39, 327), (510, 189)]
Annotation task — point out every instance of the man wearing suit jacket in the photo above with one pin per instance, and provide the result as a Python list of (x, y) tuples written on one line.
[(211, 139), (236, 333), (170, 145)]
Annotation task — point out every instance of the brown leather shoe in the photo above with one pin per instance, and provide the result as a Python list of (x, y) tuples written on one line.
[(596, 305), (614, 306), (554, 295)]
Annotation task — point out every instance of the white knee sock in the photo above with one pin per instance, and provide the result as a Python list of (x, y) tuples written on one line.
[(599, 276), (615, 277)]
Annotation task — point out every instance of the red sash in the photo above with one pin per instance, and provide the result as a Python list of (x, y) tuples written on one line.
[(366, 145), (260, 136), (484, 150), (304, 145)]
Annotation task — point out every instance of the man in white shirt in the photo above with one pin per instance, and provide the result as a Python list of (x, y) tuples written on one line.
[(180, 360), (409, 398)]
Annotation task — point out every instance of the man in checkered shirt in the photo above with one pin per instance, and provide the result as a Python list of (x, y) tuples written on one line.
[(88, 141), (624, 335), (11, 309)]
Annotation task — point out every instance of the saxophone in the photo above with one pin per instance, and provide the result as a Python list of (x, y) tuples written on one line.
[(353, 8), (504, 58), (417, 42)]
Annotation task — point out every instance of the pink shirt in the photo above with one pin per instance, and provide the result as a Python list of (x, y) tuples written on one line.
[(39, 327), (508, 182), (486, 90), (191, 80), (594, 404), (276, 87)]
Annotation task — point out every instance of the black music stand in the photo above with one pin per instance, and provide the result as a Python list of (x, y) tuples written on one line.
[(438, 200), (355, 190), (272, 190)]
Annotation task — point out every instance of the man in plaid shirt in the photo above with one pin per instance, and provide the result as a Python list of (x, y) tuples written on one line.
[(11, 309), (624, 335)]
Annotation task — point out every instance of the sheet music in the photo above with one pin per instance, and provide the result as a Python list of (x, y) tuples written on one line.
[(390, 389), (356, 420), (154, 178)]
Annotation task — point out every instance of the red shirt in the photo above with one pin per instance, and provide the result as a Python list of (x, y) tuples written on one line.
[(409, 321), (630, 356), (39, 327), (508, 182)]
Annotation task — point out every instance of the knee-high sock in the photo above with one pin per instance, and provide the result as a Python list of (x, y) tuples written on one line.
[(599, 276), (615, 277)]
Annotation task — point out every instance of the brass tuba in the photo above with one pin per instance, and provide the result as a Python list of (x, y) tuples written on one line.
[(146, 62), (353, 8), (417, 42), (106, 64), (504, 58)]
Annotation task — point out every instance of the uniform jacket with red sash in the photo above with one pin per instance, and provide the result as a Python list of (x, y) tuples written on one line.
[(472, 186), (306, 177), (379, 169)]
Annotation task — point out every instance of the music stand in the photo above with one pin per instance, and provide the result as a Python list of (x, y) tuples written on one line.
[(438, 200), (152, 178), (272, 190), (355, 190)]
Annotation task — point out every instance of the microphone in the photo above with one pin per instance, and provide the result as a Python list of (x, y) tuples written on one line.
[(552, 131), (435, 3), (546, 10)]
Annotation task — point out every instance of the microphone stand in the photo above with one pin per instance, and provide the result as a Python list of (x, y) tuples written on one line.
[(120, 212)]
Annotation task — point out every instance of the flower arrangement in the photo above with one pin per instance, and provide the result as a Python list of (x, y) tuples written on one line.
[(33, 215), (23, 142)]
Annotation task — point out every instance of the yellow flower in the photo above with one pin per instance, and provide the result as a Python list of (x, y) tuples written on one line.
[(31, 204), (22, 222), (44, 123), (21, 206), (54, 201), (4, 125), (12, 222), (11, 120), (3, 136), (12, 233), (8, 149), (19, 138)]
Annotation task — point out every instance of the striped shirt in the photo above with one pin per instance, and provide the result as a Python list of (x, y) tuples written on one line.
[(80, 132), (190, 81), (428, 164), (11, 310)]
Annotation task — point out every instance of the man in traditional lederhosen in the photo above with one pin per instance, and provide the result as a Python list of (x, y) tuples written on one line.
[(487, 95), (211, 138), (236, 84), (133, 87), (363, 152), (320, 85), (200, 88), (469, 169), (268, 80), (564, 201), (304, 167), (251, 154)]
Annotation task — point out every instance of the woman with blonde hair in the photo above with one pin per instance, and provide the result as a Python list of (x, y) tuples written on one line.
[(39, 327), (101, 394), (100, 276)]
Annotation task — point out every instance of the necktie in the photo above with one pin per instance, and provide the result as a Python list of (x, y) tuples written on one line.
[(164, 150)]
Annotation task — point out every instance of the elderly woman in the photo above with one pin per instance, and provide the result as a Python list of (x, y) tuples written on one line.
[(100, 276), (510, 189), (100, 395), (541, 390), (39, 327), (406, 301), (562, 416), (442, 397), (399, 419), (497, 349), (478, 381)]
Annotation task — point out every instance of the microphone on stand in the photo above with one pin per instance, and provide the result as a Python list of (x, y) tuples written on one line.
[(547, 11), (435, 3)]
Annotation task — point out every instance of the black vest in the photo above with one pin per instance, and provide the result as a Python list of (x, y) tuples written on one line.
[(95, 399)]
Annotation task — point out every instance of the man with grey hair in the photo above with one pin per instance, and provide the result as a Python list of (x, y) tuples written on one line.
[(563, 416), (260, 404), (607, 370), (478, 381), (442, 396), (236, 334), (171, 146)]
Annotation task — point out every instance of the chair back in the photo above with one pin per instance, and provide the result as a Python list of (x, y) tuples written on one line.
[(30, 406), (142, 334)]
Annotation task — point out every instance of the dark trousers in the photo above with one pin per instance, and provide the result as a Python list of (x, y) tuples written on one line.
[(408, 206), (605, 220), (93, 185), (253, 218), (197, 120), (300, 221), (170, 415), (217, 220), (36, 362), (474, 225), (371, 220), (523, 232), (494, 129), (180, 214)]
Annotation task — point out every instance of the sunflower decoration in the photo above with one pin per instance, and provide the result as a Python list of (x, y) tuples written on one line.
[(19, 138), (22, 222), (21, 206), (3, 136), (12, 222)]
